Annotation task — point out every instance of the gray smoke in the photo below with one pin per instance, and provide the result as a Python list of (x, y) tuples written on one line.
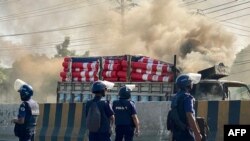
[(162, 29), (158, 29)]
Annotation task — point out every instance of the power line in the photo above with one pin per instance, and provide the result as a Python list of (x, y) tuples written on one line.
[(53, 30), (60, 5), (242, 61), (235, 24), (188, 2), (239, 34), (193, 3), (8, 1), (227, 7), (232, 12), (48, 44), (243, 35), (34, 46), (237, 28), (52, 12), (240, 72), (82, 49), (219, 5), (234, 17), (244, 52)]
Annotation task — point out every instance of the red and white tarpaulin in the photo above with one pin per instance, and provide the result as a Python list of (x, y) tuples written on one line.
[(67, 59), (148, 66), (114, 67), (122, 74), (85, 74), (149, 60), (122, 79), (111, 79), (149, 72), (109, 74), (81, 74), (108, 61), (80, 79), (148, 77), (82, 65), (78, 69)]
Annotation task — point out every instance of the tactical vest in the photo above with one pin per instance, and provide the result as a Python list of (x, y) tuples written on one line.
[(32, 117), (30, 121)]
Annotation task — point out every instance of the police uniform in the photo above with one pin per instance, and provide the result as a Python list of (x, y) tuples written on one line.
[(124, 109), (104, 133), (29, 110), (183, 107)]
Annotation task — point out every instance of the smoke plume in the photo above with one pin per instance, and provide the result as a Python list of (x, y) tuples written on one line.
[(161, 29)]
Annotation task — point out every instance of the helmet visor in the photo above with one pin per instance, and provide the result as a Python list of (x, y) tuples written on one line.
[(18, 84), (194, 77)]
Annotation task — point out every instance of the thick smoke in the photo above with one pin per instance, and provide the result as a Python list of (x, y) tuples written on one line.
[(26, 51), (40, 72), (161, 29)]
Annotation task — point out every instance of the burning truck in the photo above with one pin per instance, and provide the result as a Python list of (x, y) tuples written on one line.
[(153, 79)]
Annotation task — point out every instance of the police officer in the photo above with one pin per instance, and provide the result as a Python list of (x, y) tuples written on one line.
[(126, 120), (107, 114), (26, 121), (184, 103)]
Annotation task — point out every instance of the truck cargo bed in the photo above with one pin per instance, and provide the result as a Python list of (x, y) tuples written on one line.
[(144, 91)]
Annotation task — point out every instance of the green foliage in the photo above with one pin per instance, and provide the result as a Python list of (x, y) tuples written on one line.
[(3, 77), (62, 49)]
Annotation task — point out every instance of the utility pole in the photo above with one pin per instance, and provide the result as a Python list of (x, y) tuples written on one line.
[(123, 4), (122, 13)]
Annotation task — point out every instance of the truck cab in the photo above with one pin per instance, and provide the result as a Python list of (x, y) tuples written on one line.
[(210, 89), (214, 87)]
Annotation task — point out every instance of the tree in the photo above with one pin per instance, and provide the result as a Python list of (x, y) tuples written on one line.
[(62, 49), (3, 76), (86, 54)]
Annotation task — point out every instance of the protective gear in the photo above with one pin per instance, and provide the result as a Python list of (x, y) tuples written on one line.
[(124, 93), (26, 91), (187, 80), (98, 87), (183, 81)]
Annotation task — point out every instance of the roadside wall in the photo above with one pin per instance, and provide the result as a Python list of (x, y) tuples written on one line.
[(66, 121)]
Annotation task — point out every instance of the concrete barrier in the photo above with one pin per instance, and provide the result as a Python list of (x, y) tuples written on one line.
[(61, 122), (219, 113), (7, 113), (66, 122)]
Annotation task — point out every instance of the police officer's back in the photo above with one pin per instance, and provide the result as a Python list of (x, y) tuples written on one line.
[(126, 119), (102, 109), (184, 103), (25, 124)]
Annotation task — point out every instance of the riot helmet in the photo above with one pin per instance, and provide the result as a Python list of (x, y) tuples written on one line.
[(185, 81), (26, 91), (98, 87), (124, 93)]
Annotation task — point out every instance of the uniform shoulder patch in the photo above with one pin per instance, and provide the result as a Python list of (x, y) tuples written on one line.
[(22, 109)]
